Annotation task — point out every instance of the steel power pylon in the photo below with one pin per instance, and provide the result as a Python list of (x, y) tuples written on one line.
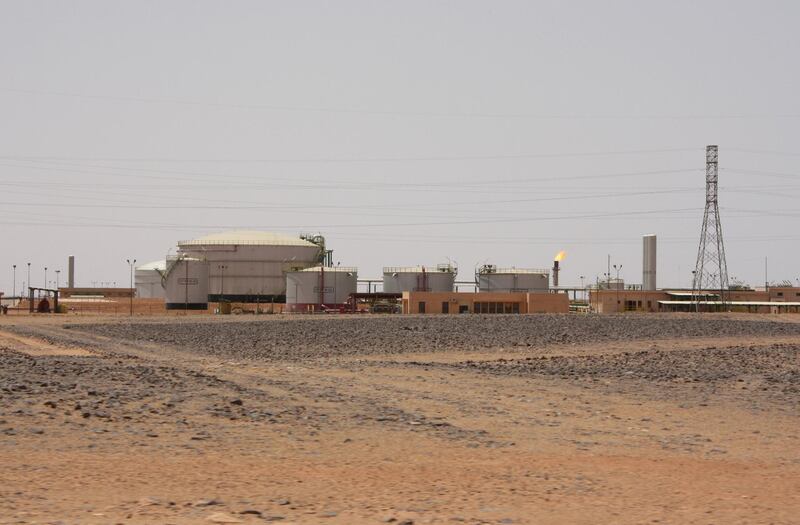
[(711, 270)]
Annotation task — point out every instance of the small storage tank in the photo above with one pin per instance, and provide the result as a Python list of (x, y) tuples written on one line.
[(147, 280), (186, 284), (490, 278), (320, 288), (440, 278)]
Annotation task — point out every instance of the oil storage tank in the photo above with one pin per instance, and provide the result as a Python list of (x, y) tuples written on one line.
[(250, 266), (186, 283), (439, 278), (320, 288), (490, 278), (147, 280)]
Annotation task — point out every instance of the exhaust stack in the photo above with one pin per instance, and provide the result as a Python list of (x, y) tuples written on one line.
[(71, 272), (649, 262), (557, 267)]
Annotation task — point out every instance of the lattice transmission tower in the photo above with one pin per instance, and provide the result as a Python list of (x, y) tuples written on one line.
[(711, 270)]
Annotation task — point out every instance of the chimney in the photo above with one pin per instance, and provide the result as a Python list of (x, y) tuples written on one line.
[(555, 273), (649, 262), (71, 272)]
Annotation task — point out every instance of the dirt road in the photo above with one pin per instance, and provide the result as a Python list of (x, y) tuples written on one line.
[(501, 419)]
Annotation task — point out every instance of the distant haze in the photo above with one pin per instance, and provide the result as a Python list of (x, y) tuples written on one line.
[(405, 132)]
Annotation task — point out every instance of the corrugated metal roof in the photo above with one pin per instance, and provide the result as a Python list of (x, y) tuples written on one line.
[(155, 265), (250, 237)]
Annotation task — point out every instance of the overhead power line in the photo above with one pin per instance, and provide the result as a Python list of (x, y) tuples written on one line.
[(396, 113)]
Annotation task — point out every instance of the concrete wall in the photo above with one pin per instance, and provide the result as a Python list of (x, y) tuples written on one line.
[(784, 293), (465, 302)]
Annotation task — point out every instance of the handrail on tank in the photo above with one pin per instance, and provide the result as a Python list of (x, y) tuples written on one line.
[(491, 269), (439, 268)]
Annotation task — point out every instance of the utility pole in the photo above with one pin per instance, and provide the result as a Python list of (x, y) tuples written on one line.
[(130, 265), (221, 282), (616, 284), (711, 270), (14, 284), (186, 289)]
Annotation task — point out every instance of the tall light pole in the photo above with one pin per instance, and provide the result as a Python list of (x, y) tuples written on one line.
[(29, 274), (45, 278), (616, 284), (130, 265), (14, 284), (57, 272), (221, 282)]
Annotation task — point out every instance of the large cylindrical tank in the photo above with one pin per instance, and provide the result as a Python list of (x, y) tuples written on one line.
[(493, 279), (439, 278), (320, 288), (186, 284), (251, 266), (649, 262), (147, 280)]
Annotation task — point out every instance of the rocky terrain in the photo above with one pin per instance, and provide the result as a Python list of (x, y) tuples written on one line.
[(474, 419), (308, 338)]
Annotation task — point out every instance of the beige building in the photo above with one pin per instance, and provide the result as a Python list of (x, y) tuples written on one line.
[(622, 300), (484, 302)]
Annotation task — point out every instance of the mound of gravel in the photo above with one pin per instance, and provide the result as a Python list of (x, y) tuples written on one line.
[(304, 338), (773, 364)]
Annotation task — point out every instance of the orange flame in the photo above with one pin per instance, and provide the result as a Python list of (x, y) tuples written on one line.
[(560, 256)]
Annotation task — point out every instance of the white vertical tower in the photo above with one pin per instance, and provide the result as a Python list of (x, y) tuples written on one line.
[(649, 262), (711, 271)]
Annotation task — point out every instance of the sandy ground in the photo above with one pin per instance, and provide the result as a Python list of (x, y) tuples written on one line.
[(106, 423)]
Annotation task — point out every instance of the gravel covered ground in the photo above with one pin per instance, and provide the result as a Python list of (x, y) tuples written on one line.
[(473, 419), (305, 338)]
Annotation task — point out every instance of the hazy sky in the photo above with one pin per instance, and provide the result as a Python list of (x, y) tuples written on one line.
[(405, 132)]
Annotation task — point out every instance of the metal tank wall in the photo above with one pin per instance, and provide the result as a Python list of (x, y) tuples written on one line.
[(147, 280), (333, 285), (507, 281), (251, 272), (186, 284), (398, 280), (649, 262)]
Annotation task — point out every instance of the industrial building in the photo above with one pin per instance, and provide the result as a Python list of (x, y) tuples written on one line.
[(613, 296), (490, 278), (251, 266), (634, 299), (484, 302), (320, 288), (440, 278)]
